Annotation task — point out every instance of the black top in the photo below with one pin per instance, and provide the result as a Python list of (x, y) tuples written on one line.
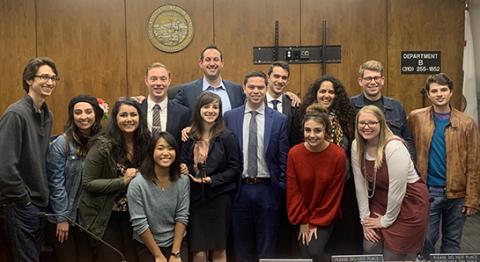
[(223, 164), (24, 137)]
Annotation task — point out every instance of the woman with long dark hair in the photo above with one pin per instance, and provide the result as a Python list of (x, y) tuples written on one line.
[(64, 172), (329, 92), (109, 167), (213, 159), (159, 201)]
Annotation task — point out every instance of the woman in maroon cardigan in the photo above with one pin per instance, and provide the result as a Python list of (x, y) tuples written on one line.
[(315, 180)]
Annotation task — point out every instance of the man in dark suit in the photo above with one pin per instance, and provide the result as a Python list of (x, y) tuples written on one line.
[(211, 62), (262, 136), (275, 98), (163, 114), (278, 76)]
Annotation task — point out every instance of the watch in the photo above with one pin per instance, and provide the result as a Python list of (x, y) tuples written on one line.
[(175, 254)]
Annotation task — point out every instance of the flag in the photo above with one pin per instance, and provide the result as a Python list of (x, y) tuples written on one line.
[(469, 82)]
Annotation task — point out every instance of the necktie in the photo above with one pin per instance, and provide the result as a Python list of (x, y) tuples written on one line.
[(156, 124), (275, 103), (252, 146)]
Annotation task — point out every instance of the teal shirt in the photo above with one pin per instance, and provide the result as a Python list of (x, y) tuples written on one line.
[(437, 155)]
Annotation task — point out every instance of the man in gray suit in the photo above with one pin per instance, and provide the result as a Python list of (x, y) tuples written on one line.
[(211, 62)]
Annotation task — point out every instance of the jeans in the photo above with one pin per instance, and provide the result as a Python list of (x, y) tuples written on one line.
[(24, 229), (446, 213)]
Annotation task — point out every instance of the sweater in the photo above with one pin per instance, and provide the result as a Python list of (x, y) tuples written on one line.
[(315, 182), (24, 138), (158, 209)]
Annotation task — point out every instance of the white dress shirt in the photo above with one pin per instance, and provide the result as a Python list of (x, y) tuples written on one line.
[(163, 113), (279, 104), (262, 164)]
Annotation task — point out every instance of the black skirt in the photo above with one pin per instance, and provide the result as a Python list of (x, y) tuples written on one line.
[(209, 222)]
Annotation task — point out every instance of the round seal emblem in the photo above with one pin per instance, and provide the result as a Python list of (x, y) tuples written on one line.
[(170, 28)]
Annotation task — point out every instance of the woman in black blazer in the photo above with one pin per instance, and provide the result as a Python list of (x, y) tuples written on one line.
[(213, 158)]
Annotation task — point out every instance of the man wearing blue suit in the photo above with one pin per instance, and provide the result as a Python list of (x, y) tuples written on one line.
[(162, 114), (262, 135), (211, 62)]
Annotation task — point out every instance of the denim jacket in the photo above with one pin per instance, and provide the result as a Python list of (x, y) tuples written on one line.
[(64, 173), (395, 117)]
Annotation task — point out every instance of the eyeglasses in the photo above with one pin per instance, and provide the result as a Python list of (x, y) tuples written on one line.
[(374, 78), (363, 124), (45, 78)]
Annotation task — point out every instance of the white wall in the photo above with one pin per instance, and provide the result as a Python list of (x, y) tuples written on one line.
[(474, 10)]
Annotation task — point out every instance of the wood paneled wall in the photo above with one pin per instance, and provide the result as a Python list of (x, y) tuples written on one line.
[(101, 47)]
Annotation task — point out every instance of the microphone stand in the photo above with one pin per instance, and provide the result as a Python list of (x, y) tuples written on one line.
[(88, 232), (202, 175)]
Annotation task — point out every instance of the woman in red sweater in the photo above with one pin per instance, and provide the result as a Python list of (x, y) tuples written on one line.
[(315, 179)]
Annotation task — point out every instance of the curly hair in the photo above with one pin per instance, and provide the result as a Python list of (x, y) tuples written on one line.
[(341, 106)]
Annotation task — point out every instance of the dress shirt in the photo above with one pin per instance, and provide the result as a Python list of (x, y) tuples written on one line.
[(221, 91), (163, 113), (279, 104), (262, 164)]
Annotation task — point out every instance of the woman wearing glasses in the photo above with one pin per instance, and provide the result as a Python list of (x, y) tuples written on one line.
[(331, 94), (392, 199), (109, 167)]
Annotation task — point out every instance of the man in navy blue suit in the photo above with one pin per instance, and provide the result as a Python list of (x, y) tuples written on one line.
[(163, 114), (211, 62), (262, 136)]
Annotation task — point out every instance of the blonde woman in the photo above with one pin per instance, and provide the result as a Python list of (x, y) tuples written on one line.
[(392, 199)]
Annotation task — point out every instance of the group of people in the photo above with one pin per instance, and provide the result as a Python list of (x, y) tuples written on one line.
[(191, 171)]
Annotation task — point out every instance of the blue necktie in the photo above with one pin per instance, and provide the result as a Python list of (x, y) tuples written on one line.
[(275, 103)]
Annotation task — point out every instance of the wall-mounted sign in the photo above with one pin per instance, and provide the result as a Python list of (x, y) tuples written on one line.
[(420, 62), (170, 28)]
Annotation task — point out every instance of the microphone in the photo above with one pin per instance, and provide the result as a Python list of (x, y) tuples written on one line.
[(87, 231)]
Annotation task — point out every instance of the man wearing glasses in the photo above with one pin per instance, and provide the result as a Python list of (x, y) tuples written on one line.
[(25, 129), (371, 80)]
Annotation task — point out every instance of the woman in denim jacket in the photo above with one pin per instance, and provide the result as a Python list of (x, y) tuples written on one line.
[(64, 172)]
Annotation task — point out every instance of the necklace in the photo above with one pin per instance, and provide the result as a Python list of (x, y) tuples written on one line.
[(370, 181), (163, 185)]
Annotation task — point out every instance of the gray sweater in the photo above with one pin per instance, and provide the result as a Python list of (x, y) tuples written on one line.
[(151, 207), (24, 138)]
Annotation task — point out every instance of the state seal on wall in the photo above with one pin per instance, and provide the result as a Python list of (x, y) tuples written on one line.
[(170, 28)]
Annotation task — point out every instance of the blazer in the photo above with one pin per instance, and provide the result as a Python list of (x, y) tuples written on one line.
[(223, 164), (178, 117), (275, 141), (295, 133), (188, 93)]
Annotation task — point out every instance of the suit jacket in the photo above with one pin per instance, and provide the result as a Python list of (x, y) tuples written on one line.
[(188, 93), (178, 117), (295, 134), (275, 141), (223, 165)]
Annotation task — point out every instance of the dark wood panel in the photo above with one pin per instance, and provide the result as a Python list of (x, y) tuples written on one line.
[(141, 52), (424, 25), (87, 41), (17, 45), (358, 26), (241, 25)]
